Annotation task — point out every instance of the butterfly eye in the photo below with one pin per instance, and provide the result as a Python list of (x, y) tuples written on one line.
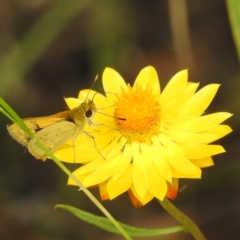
[(88, 113)]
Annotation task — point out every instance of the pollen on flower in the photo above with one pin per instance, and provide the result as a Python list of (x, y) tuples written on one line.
[(141, 110)]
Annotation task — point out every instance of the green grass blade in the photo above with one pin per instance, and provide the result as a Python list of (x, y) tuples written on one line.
[(23, 54), (105, 224), (12, 115), (233, 7)]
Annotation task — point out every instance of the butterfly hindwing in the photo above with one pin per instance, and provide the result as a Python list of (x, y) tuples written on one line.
[(53, 137)]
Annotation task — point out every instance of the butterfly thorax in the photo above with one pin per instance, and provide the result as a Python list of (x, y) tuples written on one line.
[(85, 111)]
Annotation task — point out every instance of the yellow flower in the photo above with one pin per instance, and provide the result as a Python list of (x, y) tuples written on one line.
[(148, 139)]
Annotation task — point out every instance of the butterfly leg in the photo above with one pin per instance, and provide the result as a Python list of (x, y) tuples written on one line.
[(94, 142)]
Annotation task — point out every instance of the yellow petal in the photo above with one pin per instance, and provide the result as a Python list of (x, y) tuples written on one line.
[(86, 94), (103, 137), (121, 184), (100, 100), (170, 110), (188, 92), (108, 144), (76, 150), (148, 76), (181, 163), (90, 167), (157, 185), (72, 102), (177, 174), (172, 188), (204, 162), (163, 167), (140, 175), (124, 162), (199, 151), (219, 132), (156, 153), (147, 198), (80, 178), (169, 144), (77, 154), (201, 100), (103, 190), (103, 172), (189, 137), (112, 83), (175, 87), (85, 148), (103, 122), (204, 123), (135, 202), (114, 147), (104, 117)]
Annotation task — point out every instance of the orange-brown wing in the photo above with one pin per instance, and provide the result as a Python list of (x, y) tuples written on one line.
[(35, 125)]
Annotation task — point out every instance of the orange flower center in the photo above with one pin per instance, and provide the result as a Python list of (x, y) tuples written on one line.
[(141, 112)]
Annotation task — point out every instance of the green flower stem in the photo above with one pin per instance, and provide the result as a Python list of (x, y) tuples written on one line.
[(86, 191), (12, 115), (233, 7), (189, 225)]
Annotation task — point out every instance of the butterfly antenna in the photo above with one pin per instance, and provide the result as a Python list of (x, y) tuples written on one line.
[(91, 87), (105, 114), (118, 118)]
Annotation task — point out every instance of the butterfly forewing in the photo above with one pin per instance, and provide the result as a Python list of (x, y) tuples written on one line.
[(53, 137), (54, 130)]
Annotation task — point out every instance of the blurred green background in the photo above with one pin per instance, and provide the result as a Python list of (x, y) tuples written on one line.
[(50, 49)]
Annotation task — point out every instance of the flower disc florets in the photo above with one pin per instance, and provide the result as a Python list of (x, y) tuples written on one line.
[(141, 111), (149, 139)]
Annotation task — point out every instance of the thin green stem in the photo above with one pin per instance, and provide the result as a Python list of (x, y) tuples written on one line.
[(85, 190), (189, 225), (12, 115), (25, 52)]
